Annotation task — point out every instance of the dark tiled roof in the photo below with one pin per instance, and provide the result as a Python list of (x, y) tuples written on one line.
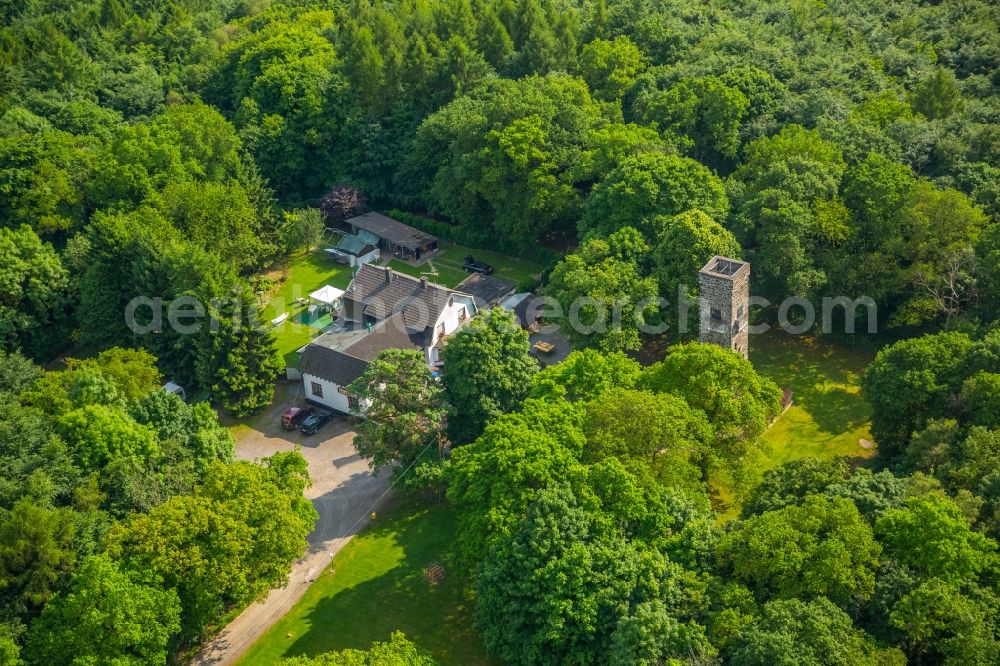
[(488, 291), (331, 364), (386, 292), (344, 365), (392, 230)]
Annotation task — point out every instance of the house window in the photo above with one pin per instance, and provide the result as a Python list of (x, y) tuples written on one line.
[(352, 403), (441, 329), (317, 389), (716, 314), (462, 315)]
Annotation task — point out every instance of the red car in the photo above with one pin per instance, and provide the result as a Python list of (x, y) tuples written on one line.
[(294, 416)]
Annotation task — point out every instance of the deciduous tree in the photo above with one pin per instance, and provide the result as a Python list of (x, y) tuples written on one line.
[(584, 375), (738, 401), (555, 591), (658, 431), (610, 67), (648, 185), (814, 632), (488, 372), (106, 616), (603, 299), (228, 543), (403, 411), (820, 548), (35, 294)]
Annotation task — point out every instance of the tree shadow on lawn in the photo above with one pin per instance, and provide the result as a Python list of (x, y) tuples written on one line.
[(824, 377), (377, 585)]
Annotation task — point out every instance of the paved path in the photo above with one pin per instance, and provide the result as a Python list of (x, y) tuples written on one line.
[(342, 492)]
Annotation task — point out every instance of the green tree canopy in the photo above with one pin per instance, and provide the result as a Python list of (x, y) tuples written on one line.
[(659, 431), (791, 482), (738, 401), (106, 616), (931, 536), (584, 375), (700, 114), (556, 589), (98, 434), (402, 408), (241, 358), (610, 67), (493, 480), (820, 548), (911, 382), (683, 244), (813, 632), (648, 185), (36, 554), (34, 294), (227, 543), (603, 299), (508, 152), (488, 372)]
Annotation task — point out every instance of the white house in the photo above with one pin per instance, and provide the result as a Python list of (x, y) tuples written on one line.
[(384, 310)]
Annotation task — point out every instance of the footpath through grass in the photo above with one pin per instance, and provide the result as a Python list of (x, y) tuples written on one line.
[(377, 585), (828, 416), (449, 264)]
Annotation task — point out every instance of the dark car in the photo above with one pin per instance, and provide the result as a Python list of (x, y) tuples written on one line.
[(294, 416), (314, 422), (473, 266)]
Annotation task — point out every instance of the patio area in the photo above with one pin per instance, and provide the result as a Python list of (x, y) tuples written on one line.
[(319, 320)]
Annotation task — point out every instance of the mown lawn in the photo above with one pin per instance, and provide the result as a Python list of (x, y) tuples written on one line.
[(828, 416), (449, 264), (298, 278), (377, 585)]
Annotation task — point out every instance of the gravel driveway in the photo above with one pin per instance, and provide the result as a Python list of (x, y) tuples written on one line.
[(343, 493)]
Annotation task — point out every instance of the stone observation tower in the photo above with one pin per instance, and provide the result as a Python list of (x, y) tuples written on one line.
[(724, 303)]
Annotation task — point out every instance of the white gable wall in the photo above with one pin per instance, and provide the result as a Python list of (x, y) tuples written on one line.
[(451, 319), (331, 397)]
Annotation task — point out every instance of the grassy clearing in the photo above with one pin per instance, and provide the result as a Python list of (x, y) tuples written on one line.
[(375, 586), (451, 259), (828, 415), (298, 278)]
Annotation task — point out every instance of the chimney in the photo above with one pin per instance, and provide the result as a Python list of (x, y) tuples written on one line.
[(423, 282), (388, 275)]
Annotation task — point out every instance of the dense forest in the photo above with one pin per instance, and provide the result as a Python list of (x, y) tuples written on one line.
[(178, 148), (160, 149)]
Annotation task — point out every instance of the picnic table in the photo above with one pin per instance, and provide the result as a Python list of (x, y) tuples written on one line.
[(543, 347)]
